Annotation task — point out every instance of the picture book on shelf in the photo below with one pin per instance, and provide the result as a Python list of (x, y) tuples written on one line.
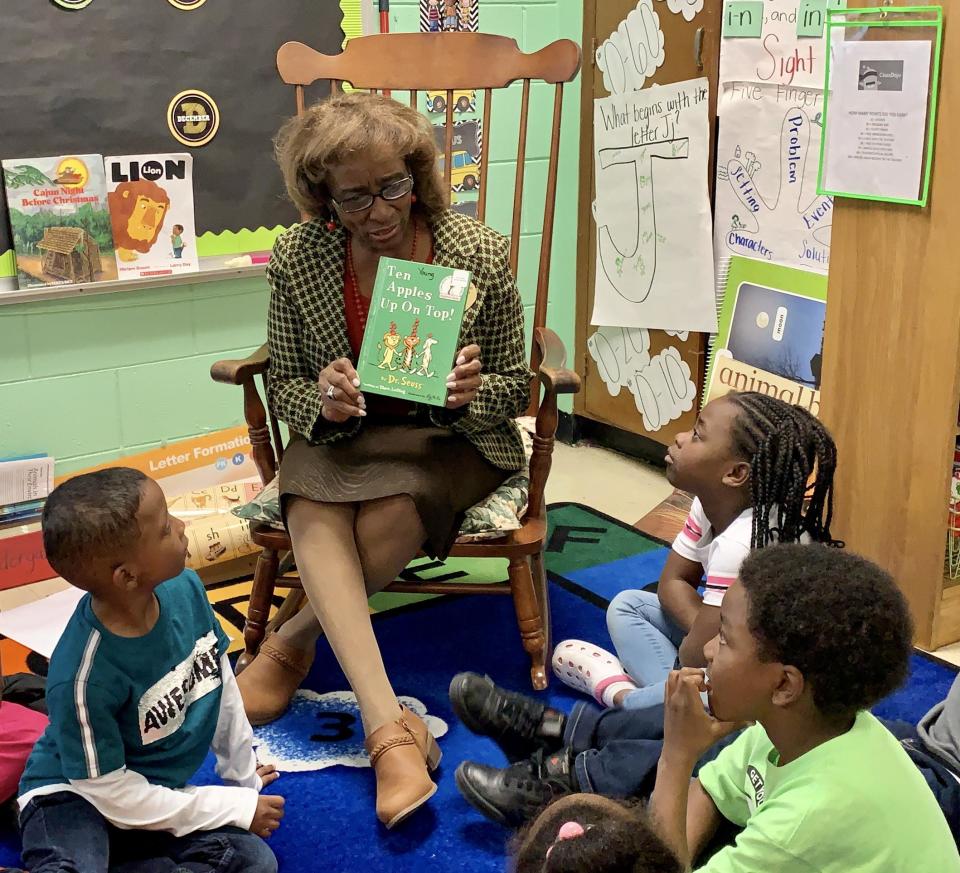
[(59, 220), (770, 336), (413, 328), (151, 211)]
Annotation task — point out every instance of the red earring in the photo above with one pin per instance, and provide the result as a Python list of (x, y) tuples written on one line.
[(413, 198), (331, 225)]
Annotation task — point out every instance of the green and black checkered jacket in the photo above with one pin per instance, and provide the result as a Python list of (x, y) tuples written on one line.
[(307, 329)]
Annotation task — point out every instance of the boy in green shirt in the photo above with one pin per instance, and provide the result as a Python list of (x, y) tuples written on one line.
[(810, 637)]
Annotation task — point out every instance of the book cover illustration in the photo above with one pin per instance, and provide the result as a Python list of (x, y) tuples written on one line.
[(59, 220), (151, 211), (448, 16), (413, 329), (770, 336)]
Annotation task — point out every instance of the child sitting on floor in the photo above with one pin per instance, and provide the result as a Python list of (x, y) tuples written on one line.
[(587, 832), (139, 688), (747, 462), (817, 784)]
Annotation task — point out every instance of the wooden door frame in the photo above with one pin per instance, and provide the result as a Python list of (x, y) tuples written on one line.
[(710, 58), (585, 196)]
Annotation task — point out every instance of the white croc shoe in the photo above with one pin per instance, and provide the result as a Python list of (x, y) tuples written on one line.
[(590, 670)]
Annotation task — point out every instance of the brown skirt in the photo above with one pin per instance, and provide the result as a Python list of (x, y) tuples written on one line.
[(441, 471)]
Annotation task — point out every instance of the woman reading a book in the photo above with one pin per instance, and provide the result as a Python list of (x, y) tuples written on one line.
[(368, 480)]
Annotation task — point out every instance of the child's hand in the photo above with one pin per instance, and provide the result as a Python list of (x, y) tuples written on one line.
[(267, 817), (688, 730), (267, 773)]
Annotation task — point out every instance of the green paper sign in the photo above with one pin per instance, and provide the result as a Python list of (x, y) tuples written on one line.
[(742, 19), (811, 17)]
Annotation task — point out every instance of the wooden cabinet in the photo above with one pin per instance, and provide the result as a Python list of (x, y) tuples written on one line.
[(692, 50), (891, 375)]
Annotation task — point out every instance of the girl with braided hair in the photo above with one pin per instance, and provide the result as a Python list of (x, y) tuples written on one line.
[(760, 471)]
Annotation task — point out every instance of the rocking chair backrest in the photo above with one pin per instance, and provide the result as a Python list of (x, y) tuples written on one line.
[(449, 62)]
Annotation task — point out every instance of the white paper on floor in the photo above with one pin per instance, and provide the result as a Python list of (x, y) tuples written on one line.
[(39, 625)]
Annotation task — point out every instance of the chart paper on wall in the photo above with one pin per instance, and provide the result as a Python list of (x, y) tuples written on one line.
[(779, 56), (767, 206), (654, 265)]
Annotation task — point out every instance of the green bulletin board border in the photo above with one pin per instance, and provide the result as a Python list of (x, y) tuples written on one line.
[(937, 23)]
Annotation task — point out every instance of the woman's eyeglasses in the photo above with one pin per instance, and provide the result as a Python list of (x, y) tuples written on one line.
[(393, 191)]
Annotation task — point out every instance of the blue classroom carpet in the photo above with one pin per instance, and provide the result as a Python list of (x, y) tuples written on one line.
[(330, 823)]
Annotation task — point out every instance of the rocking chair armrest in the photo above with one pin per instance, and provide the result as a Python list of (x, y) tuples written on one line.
[(232, 372), (554, 376)]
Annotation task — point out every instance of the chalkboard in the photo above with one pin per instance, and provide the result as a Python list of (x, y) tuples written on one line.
[(100, 79)]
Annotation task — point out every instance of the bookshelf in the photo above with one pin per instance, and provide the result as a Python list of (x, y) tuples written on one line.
[(891, 377)]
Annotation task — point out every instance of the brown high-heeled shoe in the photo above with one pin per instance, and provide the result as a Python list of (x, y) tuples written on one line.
[(400, 763), (425, 740), (270, 680)]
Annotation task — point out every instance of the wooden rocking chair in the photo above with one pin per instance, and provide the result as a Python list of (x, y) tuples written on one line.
[(444, 63)]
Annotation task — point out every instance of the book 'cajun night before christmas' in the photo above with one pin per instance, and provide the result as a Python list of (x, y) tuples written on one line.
[(413, 329), (59, 219)]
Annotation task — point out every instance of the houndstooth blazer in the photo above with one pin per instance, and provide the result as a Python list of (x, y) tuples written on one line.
[(306, 330)]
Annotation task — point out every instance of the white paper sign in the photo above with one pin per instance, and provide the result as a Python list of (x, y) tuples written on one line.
[(779, 56), (687, 8), (877, 118), (633, 51), (661, 386), (654, 265), (768, 154)]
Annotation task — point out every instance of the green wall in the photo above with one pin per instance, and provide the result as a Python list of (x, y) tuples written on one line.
[(88, 379)]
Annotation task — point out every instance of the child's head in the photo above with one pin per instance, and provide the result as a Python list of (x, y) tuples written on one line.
[(766, 451), (589, 832), (178, 228), (110, 531), (817, 631)]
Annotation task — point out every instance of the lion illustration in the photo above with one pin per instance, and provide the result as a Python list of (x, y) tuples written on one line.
[(137, 210)]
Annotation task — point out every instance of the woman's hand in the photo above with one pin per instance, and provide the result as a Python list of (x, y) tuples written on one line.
[(464, 382), (688, 729), (340, 387)]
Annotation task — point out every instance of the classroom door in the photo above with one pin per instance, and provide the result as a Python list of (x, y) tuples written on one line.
[(692, 50)]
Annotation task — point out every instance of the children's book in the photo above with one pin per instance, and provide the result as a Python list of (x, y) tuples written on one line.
[(770, 336), (151, 211), (413, 328), (59, 220)]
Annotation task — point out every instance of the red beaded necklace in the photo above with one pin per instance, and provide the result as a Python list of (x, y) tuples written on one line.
[(361, 303)]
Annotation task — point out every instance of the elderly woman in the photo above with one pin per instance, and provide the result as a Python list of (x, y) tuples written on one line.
[(368, 481)]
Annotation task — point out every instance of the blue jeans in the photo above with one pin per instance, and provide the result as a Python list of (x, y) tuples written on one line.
[(647, 642), (63, 833)]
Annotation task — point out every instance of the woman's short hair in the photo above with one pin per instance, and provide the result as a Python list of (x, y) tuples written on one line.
[(344, 125)]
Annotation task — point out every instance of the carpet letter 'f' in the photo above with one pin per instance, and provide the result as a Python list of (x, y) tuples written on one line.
[(322, 730)]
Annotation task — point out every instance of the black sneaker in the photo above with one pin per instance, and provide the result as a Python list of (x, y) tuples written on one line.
[(520, 725), (515, 794)]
